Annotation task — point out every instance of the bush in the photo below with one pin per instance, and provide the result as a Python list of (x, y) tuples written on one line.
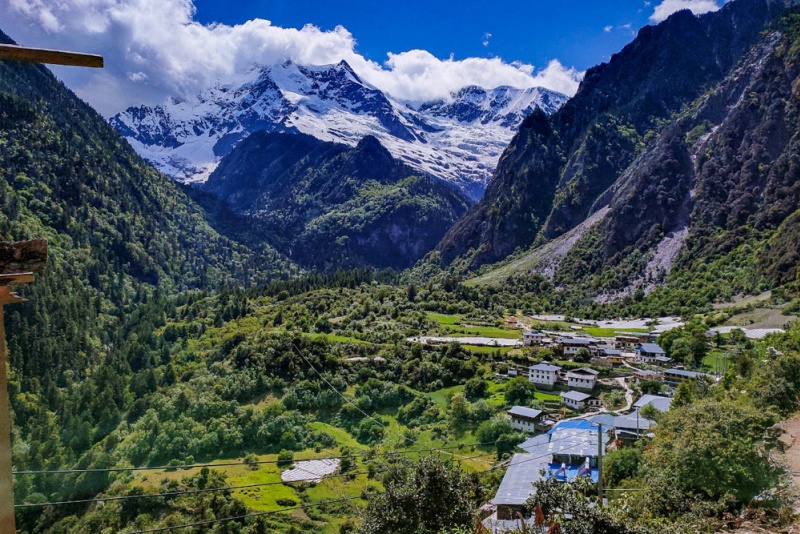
[(475, 388), (285, 458)]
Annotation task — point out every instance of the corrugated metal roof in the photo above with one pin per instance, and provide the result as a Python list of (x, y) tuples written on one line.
[(573, 341), (684, 372), (632, 422), (575, 395), (576, 439), (660, 403), (522, 472)]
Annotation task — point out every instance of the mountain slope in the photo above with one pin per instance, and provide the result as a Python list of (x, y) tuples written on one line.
[(458, 140), (120, 235), (557, 169), (306, 195), (709, 205)]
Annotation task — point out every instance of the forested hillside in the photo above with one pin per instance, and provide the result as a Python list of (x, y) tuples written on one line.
[(304, 195), (689, 127), (174, 360), (120, 235)]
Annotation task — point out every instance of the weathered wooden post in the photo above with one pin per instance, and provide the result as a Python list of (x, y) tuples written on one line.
[(18, 261)]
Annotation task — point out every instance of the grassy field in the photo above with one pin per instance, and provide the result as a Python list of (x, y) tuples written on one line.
[(714, 356), (452, 325), (444, 319), (441, 396), (542, 396)]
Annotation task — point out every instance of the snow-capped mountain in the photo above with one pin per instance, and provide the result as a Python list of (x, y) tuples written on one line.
[(458, 140)]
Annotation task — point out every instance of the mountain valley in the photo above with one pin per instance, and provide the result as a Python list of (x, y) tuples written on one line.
[(294, 303)]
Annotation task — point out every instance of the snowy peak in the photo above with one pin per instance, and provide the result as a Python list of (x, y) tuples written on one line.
[(504, 105), (458, 140)]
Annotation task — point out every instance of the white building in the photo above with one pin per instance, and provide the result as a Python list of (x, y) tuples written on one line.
[(571, 345), (533, 337), (583, 378), (525, 419), (651, 353), (575, 399), (543, 374)]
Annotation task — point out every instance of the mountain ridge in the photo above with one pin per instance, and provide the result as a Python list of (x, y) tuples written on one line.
[(704, 209), (457, 140), (557, 168), (304, 195)]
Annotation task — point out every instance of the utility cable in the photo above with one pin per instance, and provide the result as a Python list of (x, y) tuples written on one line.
[(231, 464), (315, 479), (240, 517)]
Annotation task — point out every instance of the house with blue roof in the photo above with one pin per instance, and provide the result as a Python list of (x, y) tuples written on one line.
[(568, 451)]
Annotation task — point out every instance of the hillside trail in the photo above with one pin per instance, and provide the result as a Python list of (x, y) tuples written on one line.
[(791, 431), (789, 444)]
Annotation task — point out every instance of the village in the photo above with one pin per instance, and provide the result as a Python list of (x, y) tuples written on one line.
[(567, 440)]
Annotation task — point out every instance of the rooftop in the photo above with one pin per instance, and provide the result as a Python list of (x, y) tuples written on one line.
[(568, 438), (575, 395), (522, 472), (545, 367), (574, 340), (658, 402), (524, 411), (684, 372), (652, 348)]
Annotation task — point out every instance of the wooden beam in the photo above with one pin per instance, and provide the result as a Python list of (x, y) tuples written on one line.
[(6, 476), (23, 256), (54, 57)]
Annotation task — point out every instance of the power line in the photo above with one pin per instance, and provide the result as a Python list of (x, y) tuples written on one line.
[(246, 516), (257, 514), (186, 492), (364, 454), (316, 479), (239, 517)]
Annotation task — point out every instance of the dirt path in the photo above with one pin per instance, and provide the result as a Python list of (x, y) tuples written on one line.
[(791, 431), (628, 393)]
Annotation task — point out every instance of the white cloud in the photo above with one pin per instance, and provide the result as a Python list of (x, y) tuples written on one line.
[(668, 7), (154, 49), (608, 28), (486, 37)]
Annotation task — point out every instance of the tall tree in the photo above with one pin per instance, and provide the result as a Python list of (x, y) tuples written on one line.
[(435, 495)]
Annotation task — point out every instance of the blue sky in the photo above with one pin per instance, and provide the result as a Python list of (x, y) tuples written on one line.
[(416, 50), (535, 32)]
